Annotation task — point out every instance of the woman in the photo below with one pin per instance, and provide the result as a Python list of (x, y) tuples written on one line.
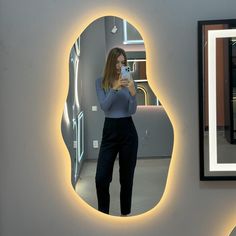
[(117, 98)]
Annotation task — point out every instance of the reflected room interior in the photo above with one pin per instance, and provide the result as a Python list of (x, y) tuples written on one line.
[(225, 98), (82, 120), (233, 233)]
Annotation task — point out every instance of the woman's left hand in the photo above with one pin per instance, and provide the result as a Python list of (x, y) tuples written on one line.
[(131, 87)]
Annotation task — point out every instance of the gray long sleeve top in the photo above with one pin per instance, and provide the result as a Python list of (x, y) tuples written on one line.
[(116, 103)]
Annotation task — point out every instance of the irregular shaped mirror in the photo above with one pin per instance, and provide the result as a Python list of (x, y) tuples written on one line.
[(83, 124)]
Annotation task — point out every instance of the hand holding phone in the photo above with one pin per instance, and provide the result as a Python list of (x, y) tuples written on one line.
[(125, 72)]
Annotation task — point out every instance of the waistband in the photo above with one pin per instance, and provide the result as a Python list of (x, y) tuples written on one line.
[(121, 118)]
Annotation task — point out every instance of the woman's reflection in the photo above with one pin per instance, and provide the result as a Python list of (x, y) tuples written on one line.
[(141, 181), (117, 97)]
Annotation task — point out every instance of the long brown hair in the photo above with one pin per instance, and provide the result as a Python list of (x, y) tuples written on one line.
[(110, 72)]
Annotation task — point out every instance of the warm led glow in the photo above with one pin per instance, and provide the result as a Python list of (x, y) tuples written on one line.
[(152, 69), (212, 36)]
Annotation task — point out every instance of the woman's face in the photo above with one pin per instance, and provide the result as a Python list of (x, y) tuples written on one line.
[(119, 63)]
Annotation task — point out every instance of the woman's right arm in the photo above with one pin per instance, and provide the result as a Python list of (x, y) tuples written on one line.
[(105, 99)]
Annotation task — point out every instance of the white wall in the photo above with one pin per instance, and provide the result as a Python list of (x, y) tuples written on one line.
[(36, 196)]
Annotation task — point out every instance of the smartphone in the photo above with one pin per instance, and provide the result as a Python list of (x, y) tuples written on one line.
[(125, 72)]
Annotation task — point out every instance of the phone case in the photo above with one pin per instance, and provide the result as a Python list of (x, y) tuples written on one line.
[(125, 72)]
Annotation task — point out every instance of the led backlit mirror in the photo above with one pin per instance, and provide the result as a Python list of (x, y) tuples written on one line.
[(83, 118), (217, 99)]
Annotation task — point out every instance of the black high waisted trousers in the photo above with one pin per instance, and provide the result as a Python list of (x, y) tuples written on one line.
[(119, 136)]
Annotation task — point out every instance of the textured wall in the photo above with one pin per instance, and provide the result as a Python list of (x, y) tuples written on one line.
[(36, 196)]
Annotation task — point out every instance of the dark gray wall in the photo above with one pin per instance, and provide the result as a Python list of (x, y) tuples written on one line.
[(155, 132), (92, 60), (116, 40)]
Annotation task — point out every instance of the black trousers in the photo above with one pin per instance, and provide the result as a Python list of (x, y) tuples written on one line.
[(119, 136)]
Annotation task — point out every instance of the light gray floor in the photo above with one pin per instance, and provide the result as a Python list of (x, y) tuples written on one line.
[(149, 183)]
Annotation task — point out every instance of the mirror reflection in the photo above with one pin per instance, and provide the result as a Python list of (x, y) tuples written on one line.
[(225, 98), (233, 233), (83, 119)]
